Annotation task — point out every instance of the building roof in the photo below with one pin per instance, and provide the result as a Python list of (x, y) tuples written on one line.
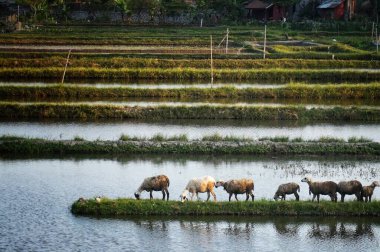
[(329, 4), (257, 4)]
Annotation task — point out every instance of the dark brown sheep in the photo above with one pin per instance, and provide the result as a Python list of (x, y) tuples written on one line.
[(156, 183), (284, 189), (368, 191), (322, 188), (238, 186), (350, 187)]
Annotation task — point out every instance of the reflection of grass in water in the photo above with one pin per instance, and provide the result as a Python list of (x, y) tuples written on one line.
[(126, 207)]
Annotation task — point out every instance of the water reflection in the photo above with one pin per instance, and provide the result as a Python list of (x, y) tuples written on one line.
[(194, 129)]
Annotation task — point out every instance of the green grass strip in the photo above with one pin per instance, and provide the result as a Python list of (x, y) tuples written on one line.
[(121, 62), (130, 207), (305, 91), (26, 146), (190, 74), (94, 112)]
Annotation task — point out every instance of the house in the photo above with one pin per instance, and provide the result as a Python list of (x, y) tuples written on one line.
[(265, 10), (335, 9)]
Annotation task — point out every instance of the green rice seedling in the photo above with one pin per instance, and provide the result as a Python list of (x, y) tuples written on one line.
[(181, 138), (359, 140), (326, 139), (158, 138), (78, 138), (213, 138), (275, 139), (297, 140)]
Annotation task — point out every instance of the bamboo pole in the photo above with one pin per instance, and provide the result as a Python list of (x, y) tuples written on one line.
[(227, 41), (265, 40), (212, 73), (67, 62)]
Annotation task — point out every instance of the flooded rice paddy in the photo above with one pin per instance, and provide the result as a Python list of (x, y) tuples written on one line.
[(36, 196), (194, 129)]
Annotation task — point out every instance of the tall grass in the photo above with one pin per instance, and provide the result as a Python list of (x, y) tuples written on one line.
[(122, 62), (190, 74), (370, 91), (94, 112)]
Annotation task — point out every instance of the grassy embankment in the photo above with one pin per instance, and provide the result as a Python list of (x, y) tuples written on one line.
[(346, 56), (122, 62), (94, 112), (180, 145), (370, 91), (131, 207), (275, 74)]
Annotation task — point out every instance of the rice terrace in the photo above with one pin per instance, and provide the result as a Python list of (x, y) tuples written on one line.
[(185, 125)]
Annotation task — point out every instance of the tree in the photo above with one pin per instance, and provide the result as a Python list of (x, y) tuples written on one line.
[(35, 5), (123, 6)]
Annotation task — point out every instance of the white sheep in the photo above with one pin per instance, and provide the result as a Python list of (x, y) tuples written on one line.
[(199, 185)]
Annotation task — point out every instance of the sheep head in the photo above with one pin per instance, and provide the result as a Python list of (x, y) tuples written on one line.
[(219, 183), (307, 180), (375, 183), (183, 196), (276, 196), (137, 195)]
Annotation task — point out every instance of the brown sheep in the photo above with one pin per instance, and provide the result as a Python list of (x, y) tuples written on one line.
[(368, 191), (157, 183), (350, 187), (289, 188), (238, 186), (325, 188)]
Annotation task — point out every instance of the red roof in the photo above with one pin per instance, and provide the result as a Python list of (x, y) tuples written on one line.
[(257, 4)]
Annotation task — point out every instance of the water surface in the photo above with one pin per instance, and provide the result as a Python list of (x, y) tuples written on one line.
[(194, 129), (36, 196)]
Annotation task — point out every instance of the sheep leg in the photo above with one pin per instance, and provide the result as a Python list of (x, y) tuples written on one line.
[(253, 196), (167, 193), (366, 199), (247, 198), (229, 198), (314, 195), (359, 196), (151, 195), (214, 195), (341, 198), (284, 197), (197, 196), (192, 196), (318, 198), (370, 198), (297, 196), (208, 196), (236, 197), (163, 195)]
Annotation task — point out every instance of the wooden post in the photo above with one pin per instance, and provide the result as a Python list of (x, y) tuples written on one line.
[(377, 42), (373, 30), (67, 62), (265, 40), (227, 41), (212, 73)]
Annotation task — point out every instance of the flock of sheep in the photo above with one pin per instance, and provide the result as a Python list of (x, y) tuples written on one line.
[(246, 186)]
